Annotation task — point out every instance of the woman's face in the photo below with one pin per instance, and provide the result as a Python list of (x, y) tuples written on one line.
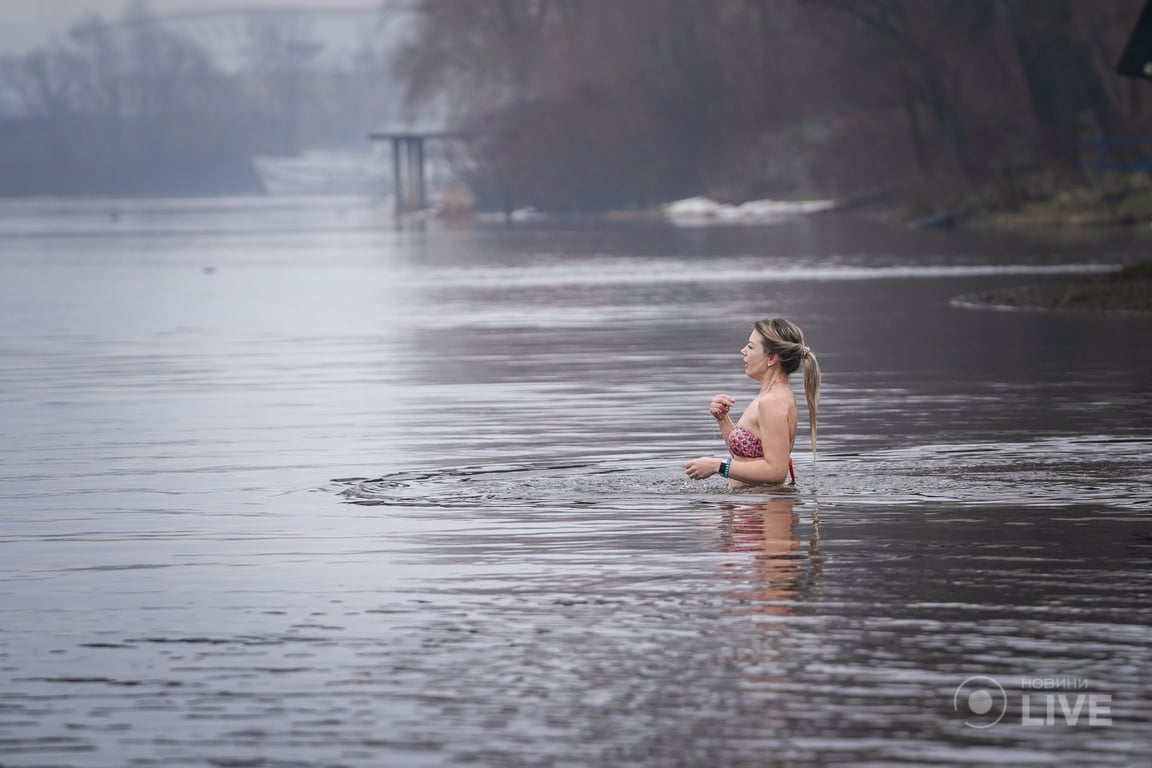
[(756, 359)]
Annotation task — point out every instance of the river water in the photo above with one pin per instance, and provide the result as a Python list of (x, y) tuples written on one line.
[(285, 485)]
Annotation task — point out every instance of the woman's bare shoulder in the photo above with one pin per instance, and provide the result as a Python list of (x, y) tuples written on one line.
[(774, 406)]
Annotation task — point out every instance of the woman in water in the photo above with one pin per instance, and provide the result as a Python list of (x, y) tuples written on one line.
[(761, 441)]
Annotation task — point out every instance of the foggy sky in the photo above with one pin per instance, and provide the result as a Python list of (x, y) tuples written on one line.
[(27, 24)]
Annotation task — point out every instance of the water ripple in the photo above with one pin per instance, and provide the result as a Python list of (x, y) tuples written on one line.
[(1111, 471)]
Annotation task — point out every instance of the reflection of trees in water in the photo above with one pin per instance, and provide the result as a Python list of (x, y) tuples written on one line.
[(782, 573)]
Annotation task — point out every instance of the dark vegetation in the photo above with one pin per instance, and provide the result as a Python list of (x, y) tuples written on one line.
[(924, 106)]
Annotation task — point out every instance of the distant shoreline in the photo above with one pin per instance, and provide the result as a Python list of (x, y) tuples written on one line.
[(1126, 290)]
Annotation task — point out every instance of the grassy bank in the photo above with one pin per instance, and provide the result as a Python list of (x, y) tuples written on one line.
[(1128, 290), (1097, 200), (1024, 202)]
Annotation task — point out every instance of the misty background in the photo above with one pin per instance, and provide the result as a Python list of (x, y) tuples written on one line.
[(577, 105), (190, 98)]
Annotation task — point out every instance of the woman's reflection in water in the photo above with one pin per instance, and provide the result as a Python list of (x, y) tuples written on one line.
[(774, 580), (783, 576)]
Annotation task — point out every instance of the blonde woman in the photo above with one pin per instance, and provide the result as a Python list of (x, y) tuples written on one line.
[(761, 441)]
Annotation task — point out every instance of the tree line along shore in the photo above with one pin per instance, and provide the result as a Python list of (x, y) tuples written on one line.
[(989, 112), (1004, 113)]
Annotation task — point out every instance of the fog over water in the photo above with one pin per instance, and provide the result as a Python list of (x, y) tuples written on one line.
[(25, 24), (285, 485)]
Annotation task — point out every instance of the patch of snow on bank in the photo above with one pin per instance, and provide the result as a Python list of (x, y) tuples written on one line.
[(701, 210)]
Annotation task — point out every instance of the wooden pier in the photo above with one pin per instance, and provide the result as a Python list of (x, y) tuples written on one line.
[(409, 182)]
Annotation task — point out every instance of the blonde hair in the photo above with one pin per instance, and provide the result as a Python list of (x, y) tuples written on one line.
[(784, 338)]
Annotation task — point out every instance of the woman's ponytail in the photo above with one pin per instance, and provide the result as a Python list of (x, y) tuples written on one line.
[(811, 393)]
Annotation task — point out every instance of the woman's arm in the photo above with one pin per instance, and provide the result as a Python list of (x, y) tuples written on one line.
[(720, 407), (702, 467), (754, 472), (706, 466), (763, 471)]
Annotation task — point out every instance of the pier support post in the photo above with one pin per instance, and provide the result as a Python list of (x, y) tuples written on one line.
[(408, 183)]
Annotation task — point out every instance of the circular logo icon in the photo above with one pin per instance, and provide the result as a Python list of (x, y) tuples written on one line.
[(981, 700)]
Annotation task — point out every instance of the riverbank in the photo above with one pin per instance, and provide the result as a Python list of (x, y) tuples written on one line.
[(1033, 202), (1101, 200), (1126, 290)]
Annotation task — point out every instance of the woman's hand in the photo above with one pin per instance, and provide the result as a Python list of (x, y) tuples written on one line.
[(703, 467), (720, 406)]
